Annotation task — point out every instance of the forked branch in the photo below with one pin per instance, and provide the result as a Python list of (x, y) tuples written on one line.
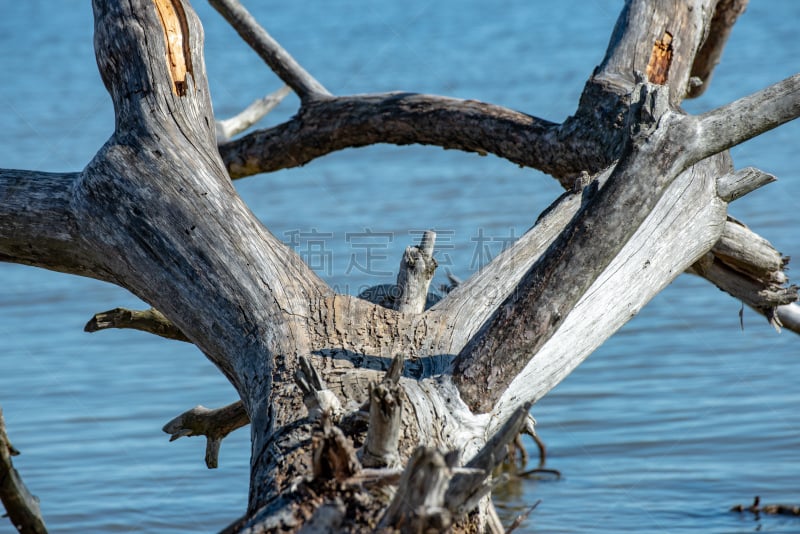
[(595, 236)]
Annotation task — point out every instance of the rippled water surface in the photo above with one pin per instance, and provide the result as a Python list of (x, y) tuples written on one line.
[(679, 416)]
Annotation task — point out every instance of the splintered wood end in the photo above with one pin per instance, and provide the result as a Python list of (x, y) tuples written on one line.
[(176, 38)]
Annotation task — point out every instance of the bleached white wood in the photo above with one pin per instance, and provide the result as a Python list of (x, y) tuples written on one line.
[(685, 224)]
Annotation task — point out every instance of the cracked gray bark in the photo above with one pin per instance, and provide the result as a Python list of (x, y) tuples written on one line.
[(155, 212)]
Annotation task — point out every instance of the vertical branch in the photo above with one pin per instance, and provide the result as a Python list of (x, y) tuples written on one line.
[(21, 506), (415, 275), (385, 411), (725, 14), (418, 505)]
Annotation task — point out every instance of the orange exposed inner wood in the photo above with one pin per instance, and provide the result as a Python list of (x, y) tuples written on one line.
[(660, 59), (176, 37)]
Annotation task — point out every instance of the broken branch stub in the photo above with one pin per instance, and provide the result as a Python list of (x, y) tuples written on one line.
[(385, 419), (467, 487), (419, 503), (318, 399), (737, 184), (414, 277), (214, 424), (152, 321), (333, 456)]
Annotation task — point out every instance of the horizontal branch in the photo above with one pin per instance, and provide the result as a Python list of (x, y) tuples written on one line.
[(38, 225), (752, 115), (746, 266), (327, 125), (273, 54)]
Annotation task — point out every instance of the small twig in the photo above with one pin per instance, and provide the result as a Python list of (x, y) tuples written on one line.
[(214, 424), (530, 429), (253, 113), (22, 507), (278, 59), (522, 517)]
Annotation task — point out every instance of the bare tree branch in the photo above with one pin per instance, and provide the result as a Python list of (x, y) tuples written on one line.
[(38, 224), (22, 507), (726, 12), (508, 328), (331, 124), (278, 59), (581, 252), (743, 119), (253, 113)]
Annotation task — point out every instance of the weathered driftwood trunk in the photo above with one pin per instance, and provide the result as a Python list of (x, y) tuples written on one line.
[(155, 212)]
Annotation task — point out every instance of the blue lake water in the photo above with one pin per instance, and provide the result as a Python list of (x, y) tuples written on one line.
[(675, 419)]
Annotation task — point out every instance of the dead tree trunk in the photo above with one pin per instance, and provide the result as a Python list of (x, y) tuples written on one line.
[(155, 213)]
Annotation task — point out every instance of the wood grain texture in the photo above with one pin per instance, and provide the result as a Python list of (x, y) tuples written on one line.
[(155, 212)]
